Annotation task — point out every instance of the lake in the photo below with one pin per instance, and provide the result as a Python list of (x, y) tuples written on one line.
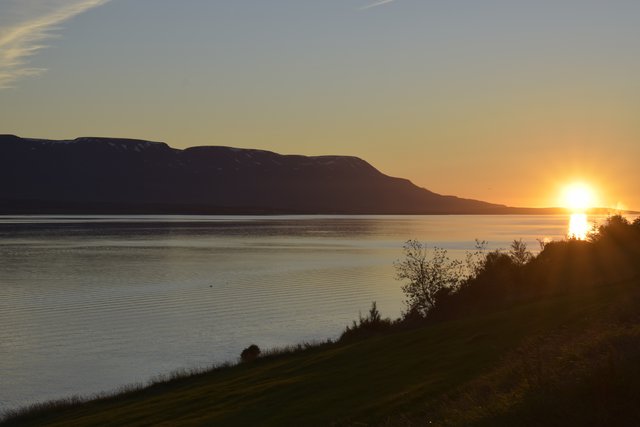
[(92, 303)]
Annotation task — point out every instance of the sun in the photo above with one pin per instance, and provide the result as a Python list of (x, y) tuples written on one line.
[(578, 197)]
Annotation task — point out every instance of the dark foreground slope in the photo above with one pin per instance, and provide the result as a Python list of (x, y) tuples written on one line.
[(559, 357), (102, 175)]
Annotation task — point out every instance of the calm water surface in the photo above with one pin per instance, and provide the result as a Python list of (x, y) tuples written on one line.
[(88, 304)]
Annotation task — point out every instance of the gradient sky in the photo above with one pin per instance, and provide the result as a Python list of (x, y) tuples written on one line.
[(503, 101)]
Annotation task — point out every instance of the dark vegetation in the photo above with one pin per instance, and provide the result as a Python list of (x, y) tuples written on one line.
[(439, 288), (250, 353), (370, 325), (505, 338), (610, 254)]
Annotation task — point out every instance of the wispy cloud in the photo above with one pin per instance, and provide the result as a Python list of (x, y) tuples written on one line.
[(25, 25), (378, 3)]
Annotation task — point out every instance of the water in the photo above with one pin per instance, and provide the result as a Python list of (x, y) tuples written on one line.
[(88, 304)]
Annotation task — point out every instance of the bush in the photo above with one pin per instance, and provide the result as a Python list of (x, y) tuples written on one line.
[(250, 353), (429, 277), (367, 326), (519, 253)]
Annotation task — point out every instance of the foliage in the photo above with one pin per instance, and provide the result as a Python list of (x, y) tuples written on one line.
[(519, 253), (372, 324), (435, 279), (374, 316), (250, 353), (428, 276), (475, 259), (504, 278)]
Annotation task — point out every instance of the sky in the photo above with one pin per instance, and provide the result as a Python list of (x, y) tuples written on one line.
[(499, 100)]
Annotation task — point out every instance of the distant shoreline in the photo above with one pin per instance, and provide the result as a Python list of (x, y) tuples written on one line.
[(37, 207)]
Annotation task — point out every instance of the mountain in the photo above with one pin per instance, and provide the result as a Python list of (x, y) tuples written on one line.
[(107, 175)]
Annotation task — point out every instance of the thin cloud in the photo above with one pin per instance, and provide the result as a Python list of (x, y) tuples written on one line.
[(25, 25), (376, 4)]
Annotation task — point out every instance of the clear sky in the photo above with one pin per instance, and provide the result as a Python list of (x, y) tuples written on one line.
[(499, 100)]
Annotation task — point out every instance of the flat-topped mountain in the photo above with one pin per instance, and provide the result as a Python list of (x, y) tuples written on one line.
[(132, 176)]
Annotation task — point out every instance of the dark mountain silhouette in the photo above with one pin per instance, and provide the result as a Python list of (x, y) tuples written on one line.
[(133, 176)]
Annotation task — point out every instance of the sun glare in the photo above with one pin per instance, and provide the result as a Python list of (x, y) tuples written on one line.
[(578, 197), (578, 226)]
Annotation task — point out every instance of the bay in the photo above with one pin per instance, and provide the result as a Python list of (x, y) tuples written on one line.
[(92, 303)]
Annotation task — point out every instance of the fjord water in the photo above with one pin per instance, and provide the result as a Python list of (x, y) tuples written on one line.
[(92, 303)]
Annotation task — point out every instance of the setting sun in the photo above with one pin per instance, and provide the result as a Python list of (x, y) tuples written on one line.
[(578, 197)]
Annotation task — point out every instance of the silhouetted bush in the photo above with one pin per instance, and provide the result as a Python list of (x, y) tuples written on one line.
[(367, 326), (428, 275), (611, 254), (250, 353), (439, 288), (519, 253)]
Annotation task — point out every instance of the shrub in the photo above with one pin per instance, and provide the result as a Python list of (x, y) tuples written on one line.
[(250, 353), (519, 253), (429, 277), (372, 324)]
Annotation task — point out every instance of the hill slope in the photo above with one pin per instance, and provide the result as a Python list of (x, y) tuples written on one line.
[(132, 176), (567, 359)]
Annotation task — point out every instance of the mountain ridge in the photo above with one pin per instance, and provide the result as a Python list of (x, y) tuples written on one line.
[(139, 176)]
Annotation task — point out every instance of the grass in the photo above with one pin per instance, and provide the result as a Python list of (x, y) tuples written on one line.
[(558, 360), (581, 372)]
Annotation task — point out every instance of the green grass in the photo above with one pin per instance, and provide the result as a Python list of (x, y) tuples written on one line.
[(579, 370), (561, 358)]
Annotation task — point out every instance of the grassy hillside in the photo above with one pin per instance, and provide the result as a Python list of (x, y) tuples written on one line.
[(551, 341), (564, 358)]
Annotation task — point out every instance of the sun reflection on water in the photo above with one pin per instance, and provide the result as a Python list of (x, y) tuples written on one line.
[(578, 226)]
